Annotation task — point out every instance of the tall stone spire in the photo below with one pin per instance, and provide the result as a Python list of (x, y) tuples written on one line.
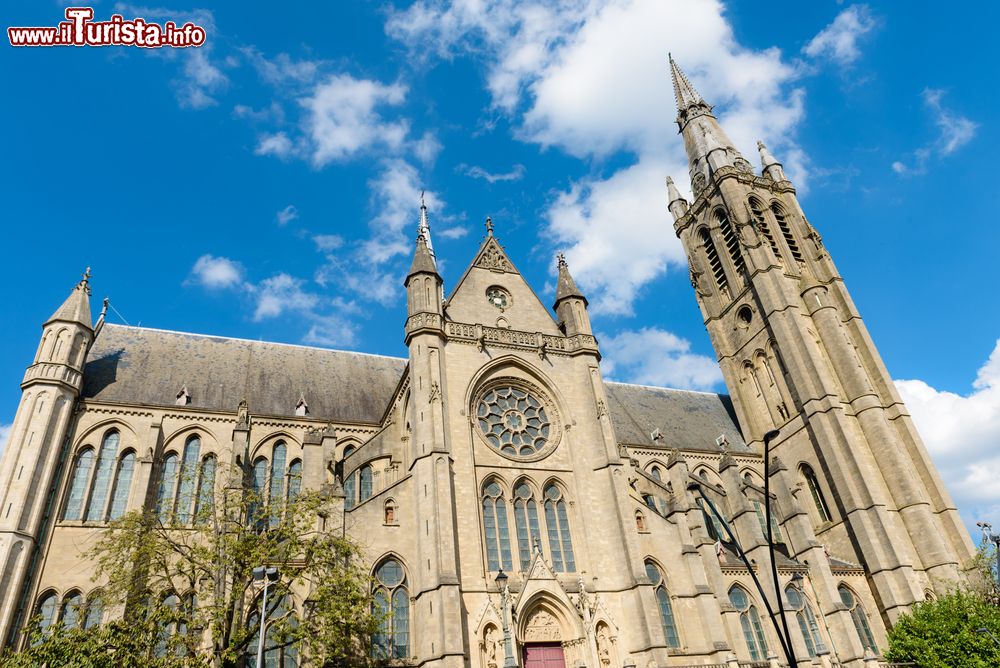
[(424, 227), (76, 308), (685, 94)]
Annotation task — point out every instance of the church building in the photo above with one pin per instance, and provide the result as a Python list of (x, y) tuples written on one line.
[(496, 445)]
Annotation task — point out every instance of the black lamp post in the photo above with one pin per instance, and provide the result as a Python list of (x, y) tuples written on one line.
[(267, 574), (508, 651), (789, 652)]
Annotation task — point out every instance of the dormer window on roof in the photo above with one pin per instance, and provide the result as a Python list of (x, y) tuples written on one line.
[(302, 408), (183, 397)]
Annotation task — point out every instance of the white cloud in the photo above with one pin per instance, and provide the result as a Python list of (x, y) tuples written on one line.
[(342, 118), (475, 171), (962, 434), (839, 40), (277, 144), (279, 294), (216, 273), (328, 242), (426, 149), (332, 331), (4, 435), (452, 232), (954, 132), (282, 69), (287, 215), (653, 356), (591, 78)]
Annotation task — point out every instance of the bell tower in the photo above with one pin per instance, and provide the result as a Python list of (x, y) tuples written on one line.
[(796, 356), (28, 466)]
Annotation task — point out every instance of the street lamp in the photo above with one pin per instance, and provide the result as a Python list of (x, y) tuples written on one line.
[(768, 437), (268, 574), (508, 651)]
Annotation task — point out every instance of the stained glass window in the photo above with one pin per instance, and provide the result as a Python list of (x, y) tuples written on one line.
[(513, 421)]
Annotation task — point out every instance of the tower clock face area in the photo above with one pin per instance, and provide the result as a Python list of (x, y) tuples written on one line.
[(498, 297), (516, 420)]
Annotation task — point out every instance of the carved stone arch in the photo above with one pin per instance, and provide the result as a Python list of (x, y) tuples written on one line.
[(606, 643), (711, 476), (183, 434), (126, 434), (547, 615), (757, 478), (391, 554), (347, 442), (536, 489), (500, 480), (60, 341), (263, 446)]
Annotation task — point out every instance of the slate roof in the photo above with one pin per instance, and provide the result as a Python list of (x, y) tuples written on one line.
[(148, 367), (133, 365), (688, 420)]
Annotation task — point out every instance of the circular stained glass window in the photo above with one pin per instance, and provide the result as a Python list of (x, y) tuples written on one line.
[(514, 421)]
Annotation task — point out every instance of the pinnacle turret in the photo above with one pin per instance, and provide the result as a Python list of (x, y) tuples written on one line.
[(677, 205), (769, 164), (76, 308), (566, 286), (423, 259)]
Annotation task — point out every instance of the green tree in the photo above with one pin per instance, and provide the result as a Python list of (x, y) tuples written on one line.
[(944, 633), (181, 581)]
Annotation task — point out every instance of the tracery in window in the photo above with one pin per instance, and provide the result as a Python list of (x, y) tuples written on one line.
[(276, 486), (753, 630), (78, 485), (858, 616), (122, 486), (513, 420), (526, 522), (206, 490), (71, 610), (392, 601), (165, 495), (188, 474), (758, 508), (557, 526), (663, 603), (106, 461), (496, 528), (806, 619), (365, 480)]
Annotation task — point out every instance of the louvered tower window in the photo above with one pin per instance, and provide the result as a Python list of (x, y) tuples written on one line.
[(758, 215), (731, 241), (715, 262), (786, 232)]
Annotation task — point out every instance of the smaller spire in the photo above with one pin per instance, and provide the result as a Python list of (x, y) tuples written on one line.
[(489, 226), (424, 226), (677, 205), (423, 260), (769, 164), (565, 285), (76, 308)]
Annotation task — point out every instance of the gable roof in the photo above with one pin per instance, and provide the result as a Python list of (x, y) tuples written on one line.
[(147, 367), (133, 365)]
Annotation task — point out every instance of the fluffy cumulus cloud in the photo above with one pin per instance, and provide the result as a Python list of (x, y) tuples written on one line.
[(577, 76), (839, 40), (342, 117), (653, 356), (216, 273), (962, 432), (954, 132), (287, 215)]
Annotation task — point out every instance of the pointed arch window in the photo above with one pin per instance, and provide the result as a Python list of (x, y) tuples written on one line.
[(95, 610), (713, 526), (806, 619), (71, 610), (732, 242), (557, 525), (859, 616), (392, 603), (667, 620), (758, 508), (817, 493), (258, 490), (188, 473), (365, 482), (106, 461), (714, 262), (350, 491), (526, 522), (786, 232), (205, 502), (123, 486), (78, 485), (753, 630), (165, 495), (757, 210), (46, 611), (496, 528), (294, 479), (276, 485), (655, 472)]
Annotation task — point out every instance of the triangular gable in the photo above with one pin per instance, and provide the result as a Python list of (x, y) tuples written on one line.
[(492, 268)]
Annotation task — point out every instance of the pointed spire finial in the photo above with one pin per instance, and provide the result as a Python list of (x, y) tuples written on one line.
[(489, 226), (561, 260), (424, 226), (684, 92), (84, 283)]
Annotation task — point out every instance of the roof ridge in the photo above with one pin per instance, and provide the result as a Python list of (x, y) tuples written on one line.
[(669, 389), (270, 343)]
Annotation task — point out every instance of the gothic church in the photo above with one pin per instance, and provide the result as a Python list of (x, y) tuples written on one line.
[(496, 444)]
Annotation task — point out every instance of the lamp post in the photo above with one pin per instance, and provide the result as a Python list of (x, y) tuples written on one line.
[(789, 652), (268, 575), (508, 651)]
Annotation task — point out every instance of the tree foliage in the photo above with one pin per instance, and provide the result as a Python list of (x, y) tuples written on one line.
[(944, 633), (181, 582)]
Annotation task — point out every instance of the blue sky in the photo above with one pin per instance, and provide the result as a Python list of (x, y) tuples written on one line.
[(266, 185)]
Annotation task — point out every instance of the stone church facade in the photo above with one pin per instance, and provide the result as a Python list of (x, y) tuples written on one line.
[(496, 444)]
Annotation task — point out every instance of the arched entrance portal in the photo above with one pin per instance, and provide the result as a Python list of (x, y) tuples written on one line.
[(542, 641)]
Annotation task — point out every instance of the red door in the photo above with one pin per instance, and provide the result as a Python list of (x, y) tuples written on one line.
[(544, 655)]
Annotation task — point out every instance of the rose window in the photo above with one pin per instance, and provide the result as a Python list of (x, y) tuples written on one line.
[(513, 421)]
